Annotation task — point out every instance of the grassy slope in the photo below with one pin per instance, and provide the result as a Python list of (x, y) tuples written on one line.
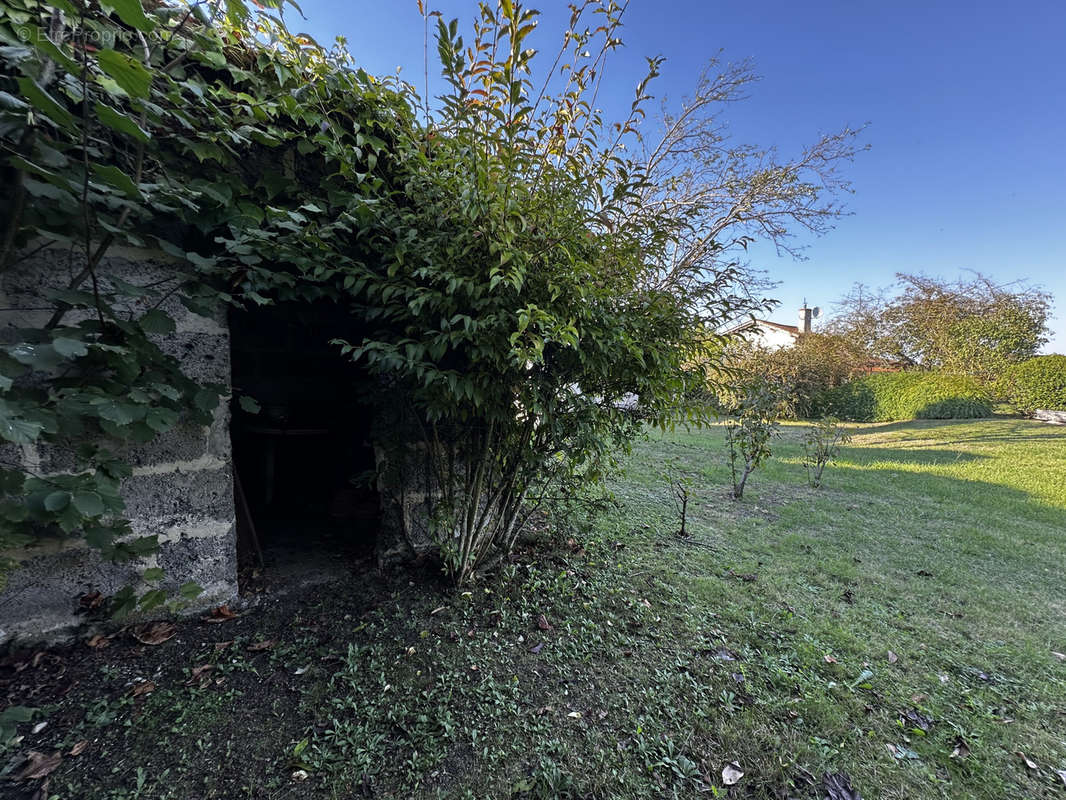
[(944, 543)]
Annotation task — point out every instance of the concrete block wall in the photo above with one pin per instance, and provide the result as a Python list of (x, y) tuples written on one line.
[(182, 484)]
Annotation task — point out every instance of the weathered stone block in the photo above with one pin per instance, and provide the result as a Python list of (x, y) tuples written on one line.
[(160, 495), (181, 489)]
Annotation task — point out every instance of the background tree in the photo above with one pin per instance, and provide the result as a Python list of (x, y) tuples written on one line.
[(722, 195), (970, 326), (816, 362)]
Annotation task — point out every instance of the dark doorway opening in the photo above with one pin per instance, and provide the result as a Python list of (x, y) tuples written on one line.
[(301, 463)]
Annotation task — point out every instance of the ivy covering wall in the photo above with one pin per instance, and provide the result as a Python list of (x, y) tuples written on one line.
[(494, 245)]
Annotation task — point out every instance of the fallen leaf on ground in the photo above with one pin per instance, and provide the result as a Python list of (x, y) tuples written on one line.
[(916, 719), (838, 787), (731, 773), (38, 765), (155, 632), (142, 687), (79, 748), (961, 748), (1028, 761), (542, 623), (220, 614), (892, 657), (830, 660), (98, 642), (222, 645), (258, 647), (199, 674), (91, 600)]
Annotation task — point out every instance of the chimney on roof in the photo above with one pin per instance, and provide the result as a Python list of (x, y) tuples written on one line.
[(806, 315)]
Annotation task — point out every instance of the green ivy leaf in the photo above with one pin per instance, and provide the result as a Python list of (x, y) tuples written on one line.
[(191, 590), (249, 404), (40, 41), (8, 102), (167, 391), (88, 504), (153, 574), (56, 501), (100, 538), (131, 12), (144, 545), (69, 348), (123, 602), (45, 103), (161, 420), (119, 413), (39, 356), (117, 178), (156, 321), (128, 73), (152, 599), (118, 121), (206, 400), (19, 431)]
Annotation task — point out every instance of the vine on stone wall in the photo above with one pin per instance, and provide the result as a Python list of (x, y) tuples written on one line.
[(198, 129)]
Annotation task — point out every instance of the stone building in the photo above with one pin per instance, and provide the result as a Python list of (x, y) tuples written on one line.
[(181, 488), (296, 474)]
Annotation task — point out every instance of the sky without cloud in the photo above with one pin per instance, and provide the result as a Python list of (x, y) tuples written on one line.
[(966, 103)]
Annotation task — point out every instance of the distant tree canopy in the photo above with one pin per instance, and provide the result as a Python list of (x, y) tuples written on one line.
[(974, 327), (816, 362)]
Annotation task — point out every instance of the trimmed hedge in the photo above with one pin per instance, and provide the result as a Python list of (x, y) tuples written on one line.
[(1037, 383), (907, 395)]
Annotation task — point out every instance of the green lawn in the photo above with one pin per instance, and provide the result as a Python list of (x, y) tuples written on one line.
[(908, 611)]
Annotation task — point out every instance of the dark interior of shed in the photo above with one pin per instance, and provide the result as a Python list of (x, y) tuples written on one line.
[(301, 460)]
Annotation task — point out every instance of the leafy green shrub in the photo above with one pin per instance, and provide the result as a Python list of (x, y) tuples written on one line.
[(748, 435), (821, 446), (907, 395), (815, 363), (1037, 383)]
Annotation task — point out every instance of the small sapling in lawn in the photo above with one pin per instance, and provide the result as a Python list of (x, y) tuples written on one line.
[(822, 444), (749, 432)]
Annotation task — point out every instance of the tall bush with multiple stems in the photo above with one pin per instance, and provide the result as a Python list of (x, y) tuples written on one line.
[(518, 268)]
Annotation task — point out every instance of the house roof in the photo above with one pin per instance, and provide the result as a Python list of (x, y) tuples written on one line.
[(752, 324)]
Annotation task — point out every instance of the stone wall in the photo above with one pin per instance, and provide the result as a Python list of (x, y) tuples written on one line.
[(182, 484)]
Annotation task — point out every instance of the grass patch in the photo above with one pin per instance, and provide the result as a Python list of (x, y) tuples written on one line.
[(870, 627)]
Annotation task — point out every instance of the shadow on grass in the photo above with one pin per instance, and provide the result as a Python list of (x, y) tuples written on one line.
[(916, 455), (890, 475), (1019, 430)]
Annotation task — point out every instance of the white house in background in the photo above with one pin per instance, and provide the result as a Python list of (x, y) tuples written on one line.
[(776, 335)]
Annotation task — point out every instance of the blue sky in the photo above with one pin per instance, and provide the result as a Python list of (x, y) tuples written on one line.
[(966, 104)]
